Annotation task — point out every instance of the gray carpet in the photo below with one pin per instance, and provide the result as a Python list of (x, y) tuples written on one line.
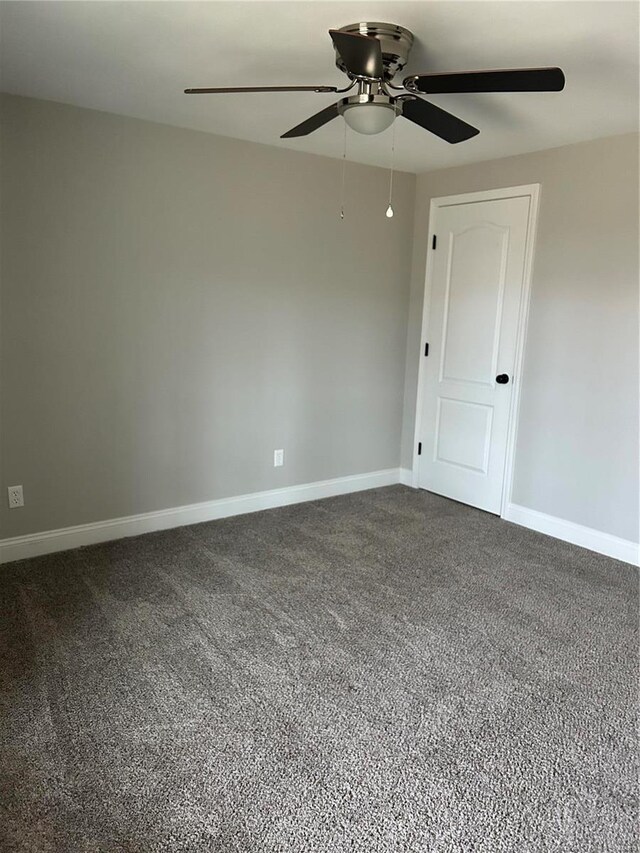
[(385, 671)]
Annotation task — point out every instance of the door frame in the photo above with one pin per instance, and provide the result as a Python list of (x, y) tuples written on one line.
[(533, 192)]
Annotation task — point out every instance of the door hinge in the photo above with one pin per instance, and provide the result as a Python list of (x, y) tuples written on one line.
[(419, 448), (426, 349), (434, 242)]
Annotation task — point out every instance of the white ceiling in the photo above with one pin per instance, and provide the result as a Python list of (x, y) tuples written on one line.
[(135, 58)]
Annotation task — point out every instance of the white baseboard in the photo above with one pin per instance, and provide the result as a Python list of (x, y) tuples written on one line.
[(35, 544), (587, 537), (47, 542), (406, 476)]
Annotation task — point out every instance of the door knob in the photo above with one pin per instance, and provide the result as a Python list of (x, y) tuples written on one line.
[(502, 379)]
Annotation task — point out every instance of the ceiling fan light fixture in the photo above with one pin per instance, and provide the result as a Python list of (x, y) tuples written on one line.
[(369, 118), (368, 114)]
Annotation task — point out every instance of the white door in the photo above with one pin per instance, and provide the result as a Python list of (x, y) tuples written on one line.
[(477, 275)]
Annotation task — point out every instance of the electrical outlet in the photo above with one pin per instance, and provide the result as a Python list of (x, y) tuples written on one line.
[(16, 498), (278, 458)]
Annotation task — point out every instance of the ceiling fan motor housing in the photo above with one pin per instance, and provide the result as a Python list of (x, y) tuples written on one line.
[(395, 43)]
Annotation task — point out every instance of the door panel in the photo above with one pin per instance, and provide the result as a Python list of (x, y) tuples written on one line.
[(476, 291), (472, 315), (463, 434)]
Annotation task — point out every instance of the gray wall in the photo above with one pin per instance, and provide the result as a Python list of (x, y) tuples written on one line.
[(577, 446), (177, 305)]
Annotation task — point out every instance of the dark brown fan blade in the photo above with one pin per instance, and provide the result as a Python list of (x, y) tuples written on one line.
[(312, 123), (505, 80), (261, 89), (362, 55), (437, 121)]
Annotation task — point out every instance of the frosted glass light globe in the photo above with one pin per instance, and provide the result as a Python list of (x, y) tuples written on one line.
[(369, 118)]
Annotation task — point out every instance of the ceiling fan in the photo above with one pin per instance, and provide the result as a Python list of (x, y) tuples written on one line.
[(371, 54)]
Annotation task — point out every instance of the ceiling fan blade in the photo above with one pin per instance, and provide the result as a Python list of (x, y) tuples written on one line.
[(261, 89), (362, 55), (437, 121), (312, 123), (504, 80)]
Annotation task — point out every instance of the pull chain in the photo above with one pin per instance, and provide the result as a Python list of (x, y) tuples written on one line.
[(389, 212), (344, 169)]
